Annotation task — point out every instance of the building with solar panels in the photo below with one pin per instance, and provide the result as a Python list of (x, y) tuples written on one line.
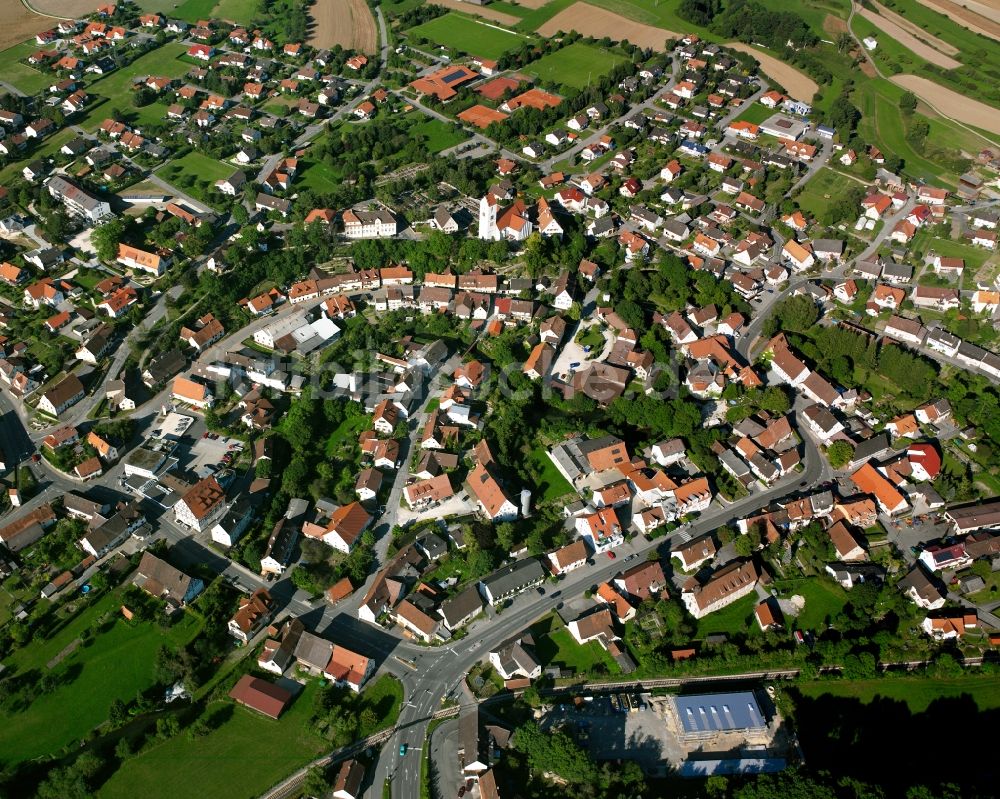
[(705, 716)]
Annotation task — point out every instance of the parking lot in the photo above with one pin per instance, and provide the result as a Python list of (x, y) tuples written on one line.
[(572, 352), (611, 733), (208, 451)]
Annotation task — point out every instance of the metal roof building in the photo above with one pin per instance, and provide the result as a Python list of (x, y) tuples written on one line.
[(713, 713)]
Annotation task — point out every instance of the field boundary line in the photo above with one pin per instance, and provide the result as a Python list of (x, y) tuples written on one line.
[(34, 10)]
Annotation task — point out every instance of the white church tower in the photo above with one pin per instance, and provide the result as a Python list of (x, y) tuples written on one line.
[(488, 230)]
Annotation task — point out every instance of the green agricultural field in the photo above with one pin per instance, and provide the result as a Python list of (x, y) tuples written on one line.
[(114, 664), (244, 755), (193, 10), (814, 12), (882, 124), (114, 91), (195, 174), (824, 188), (438, 135), (26, 78), (662, 13), (533, 20), (917, 692), (575, 66), (241, 11), (466, 35), (510, 8)]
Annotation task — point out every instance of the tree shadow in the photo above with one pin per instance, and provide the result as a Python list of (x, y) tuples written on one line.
[(848, 737)]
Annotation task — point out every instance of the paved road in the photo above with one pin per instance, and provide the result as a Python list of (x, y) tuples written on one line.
[(312, 130), (439, 671), (594, 135)]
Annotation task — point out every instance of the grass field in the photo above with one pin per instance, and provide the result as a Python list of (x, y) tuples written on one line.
[(466, 35), (195, 174), (551, 485), (559, 649), (241, 11), (882, 123), (575, 66), (114, 91), (662, 13), (115, 664), (735, 618), (756, 114), (193, 10), (824, 188), (321, 178), (535, 18), (438, 135), (242, 757), (974, 257), (917, 692), (28, 79), (824, 600)]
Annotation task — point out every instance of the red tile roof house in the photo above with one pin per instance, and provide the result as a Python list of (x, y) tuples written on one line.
[(261, 695)]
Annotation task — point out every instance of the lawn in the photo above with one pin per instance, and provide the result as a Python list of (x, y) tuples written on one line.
[(550, 484), (26, 78), (242, 757), (824, 600), (438, 135), (917, 692), (241, 11), (559, 649), (824, 188), (195, 174), (576, 65), (114, 665), (756, 114), (974, 257), (115, 89), (346, 434), (320, 178), (590, 337), (466, 35), (735, 618)]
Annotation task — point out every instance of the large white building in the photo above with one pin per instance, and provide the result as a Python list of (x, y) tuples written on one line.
[(363, 224), (78, 202)]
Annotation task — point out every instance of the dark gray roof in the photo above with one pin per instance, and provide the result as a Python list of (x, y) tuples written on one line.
[(460, 606), (514, 577), (701, 713)]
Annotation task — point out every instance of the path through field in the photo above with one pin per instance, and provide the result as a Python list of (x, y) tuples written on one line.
[(65, 8), (951, 103), (593, 21), (348, 23), (909, 41), (483, 11), (797, 84), (977, 17)]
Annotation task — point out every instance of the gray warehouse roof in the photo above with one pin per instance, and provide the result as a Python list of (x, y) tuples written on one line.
[(719, 712)]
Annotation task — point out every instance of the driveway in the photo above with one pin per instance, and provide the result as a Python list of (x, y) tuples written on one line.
[(574, 353), (458, 505)]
